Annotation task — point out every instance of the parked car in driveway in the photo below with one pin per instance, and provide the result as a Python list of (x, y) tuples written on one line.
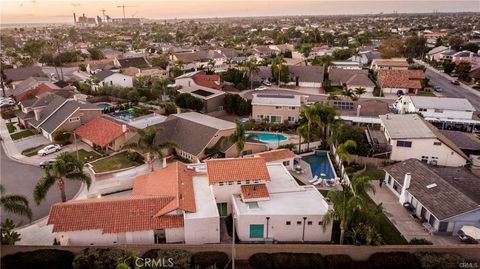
[(49, 149), (47, 163), (455, 82), (261, 88), (438, 89), (267, 83)]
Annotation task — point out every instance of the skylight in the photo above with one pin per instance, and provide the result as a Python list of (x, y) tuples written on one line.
[(431, 185)]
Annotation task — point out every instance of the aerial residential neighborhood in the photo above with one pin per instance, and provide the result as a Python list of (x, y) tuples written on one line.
[(132, 139)]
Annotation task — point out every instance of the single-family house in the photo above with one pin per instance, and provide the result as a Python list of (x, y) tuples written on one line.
[(435, 107), (206, 87), (105, 132), (410, 136), (33, 86), (352, 65), (17, 75), (306, 75), (400, 81), (276, 108), (444, 198), (465, 56), (351, 78), (440, 54), (138, 62), (389, 64), (108, 78), (469, 143)]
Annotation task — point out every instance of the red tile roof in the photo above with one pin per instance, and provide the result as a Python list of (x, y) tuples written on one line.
[(255, 191), (408, 79), (173, 181), (41, 88), (101, 131), (113, 215), (209, 81), (276, 155), (226, 170)]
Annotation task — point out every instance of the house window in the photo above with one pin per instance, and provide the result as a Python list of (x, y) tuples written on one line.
[(438, 110), (256, 230), (320, 223), (260, 117), (286, 163), (422, 109), (437, 143), (443, 226), (74, 119), (230, 183), (291, 108), (279, 107), (291, 118), (247, 181), (424, 158), (275, 119), (299, 223), (309, 223), (256, 181), (405, 144), (239, 182), (288, 223), (252, 205)]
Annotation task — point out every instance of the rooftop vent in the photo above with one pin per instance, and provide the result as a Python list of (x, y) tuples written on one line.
[(431, 186)]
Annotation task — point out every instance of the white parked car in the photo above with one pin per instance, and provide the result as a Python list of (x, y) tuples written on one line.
[(261, 88), (267, 83), (49, 149)]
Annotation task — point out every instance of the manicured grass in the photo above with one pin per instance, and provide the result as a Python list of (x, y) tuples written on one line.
[(86, 156), (114, 162), (22, 134), (32, 151), (11, 128), (425, 94), (374, 173)]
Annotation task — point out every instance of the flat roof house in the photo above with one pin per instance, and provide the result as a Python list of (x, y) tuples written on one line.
[(206, 87), (410, 136), (446, 198), (276, 108)]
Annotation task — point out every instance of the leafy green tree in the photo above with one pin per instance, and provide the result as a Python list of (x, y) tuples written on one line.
[(448, 67), (15, 203), (311, 116), (235, 104), (9, 236), (471, 47), (463, 70), (327, 118), (345, 149), (161, 61), (250, 67), (95, 53), (61, 136), (342, 54), (240, 137), (415, 46), (65, 167), (455, 42), (347, 92), (280, 71), (170, 108), (391, 48)]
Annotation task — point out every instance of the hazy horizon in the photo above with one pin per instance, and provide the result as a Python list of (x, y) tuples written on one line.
[(58, 11)]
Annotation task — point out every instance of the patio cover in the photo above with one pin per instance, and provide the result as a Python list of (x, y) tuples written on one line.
[(471, 231)]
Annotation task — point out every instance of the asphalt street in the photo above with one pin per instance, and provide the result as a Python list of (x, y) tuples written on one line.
[(450, 90), (21, 178)]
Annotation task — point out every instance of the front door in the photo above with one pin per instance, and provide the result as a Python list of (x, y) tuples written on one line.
[(222, 209), (423, 213)]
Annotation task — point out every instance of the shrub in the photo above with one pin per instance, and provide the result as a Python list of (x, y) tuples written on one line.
[(286, 261), (339, 261), (203, 260), (180, 258), (170, 108), (100, 258), (186, 100), (420, 241), (394, 260), (61, 136), (430, 260), (39, 259), (134, 157)]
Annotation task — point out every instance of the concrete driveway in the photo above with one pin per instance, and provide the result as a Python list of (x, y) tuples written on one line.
[(31, 142), (21, 179)]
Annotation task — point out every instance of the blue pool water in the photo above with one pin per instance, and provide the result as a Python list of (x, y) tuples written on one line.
[(103, 105), (270, 137), (320, 165), (123, 115)]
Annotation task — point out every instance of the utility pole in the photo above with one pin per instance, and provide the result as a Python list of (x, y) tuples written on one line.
[(123, 7), (103, 12)]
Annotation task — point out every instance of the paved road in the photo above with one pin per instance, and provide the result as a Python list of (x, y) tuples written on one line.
[(450, 90), (21, 179)]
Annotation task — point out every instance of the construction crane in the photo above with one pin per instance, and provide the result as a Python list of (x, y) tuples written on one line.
[(103, 11), (123, 7)]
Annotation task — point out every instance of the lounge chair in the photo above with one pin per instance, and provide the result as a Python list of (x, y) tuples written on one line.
[(313, 179), (320, 180)]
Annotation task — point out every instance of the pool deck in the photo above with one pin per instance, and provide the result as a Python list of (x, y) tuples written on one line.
[(307, 175)]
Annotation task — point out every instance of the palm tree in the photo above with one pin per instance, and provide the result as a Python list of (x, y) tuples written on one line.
[(359, 91), (348, 203), (66, 166), (240, 137), (15, 203), (250, 67), (348, 92), (327, 118), (311, 115), (146, 144), (302, 132), (344, 149)]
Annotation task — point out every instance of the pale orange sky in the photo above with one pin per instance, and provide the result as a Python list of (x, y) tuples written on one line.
[(31, 11)]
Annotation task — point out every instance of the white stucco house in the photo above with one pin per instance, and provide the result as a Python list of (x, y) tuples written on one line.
[(444, 197), (109, 78), (410, 136), (437, 107), (183, 203)]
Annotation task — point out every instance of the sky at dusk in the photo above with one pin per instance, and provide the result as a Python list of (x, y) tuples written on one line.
[(61, 11)]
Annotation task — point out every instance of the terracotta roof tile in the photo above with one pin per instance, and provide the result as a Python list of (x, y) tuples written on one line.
[(255, 191), (100, 131), (410, 79), (113, 215), (209, 81), (276, 155), (225, 170)]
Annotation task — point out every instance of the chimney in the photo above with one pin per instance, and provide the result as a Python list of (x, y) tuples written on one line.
[(359, 107), (406, 185), (124, 128), (74, 18)]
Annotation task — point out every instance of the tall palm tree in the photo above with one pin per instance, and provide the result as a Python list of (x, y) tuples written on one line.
[(15, 203), (302, 133), (359, 91), (148, 147), (250, 67), (66, 166), (348, 203), (311, 115), (343, 150), (240, 137), (327, 118), (348, 92)]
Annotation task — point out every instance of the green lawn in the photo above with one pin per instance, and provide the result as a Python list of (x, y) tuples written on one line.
[(425, 94), (32, 151), (374, 173), (86, 156), (114, 162), (22, 134), (11, 128)]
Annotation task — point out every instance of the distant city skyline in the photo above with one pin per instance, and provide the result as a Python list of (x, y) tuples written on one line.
[(58, 11)]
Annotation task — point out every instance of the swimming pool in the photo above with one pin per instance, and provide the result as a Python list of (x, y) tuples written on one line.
[(123, 115), (269, 137), (320, 164), (103, 105)]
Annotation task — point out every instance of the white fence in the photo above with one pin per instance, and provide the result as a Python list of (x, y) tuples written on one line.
[(338, 160), (303, 146)]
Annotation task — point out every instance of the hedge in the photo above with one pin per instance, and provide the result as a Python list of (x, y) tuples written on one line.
[(339, 261), (204, 260), (180, 258), (394, 260), (286, 261), (429, 260), (100, 258), (39, 259)]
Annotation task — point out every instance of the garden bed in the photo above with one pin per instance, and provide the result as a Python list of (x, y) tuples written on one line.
[(115, 162), (11, 128), (22, 134), (86, 156)]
